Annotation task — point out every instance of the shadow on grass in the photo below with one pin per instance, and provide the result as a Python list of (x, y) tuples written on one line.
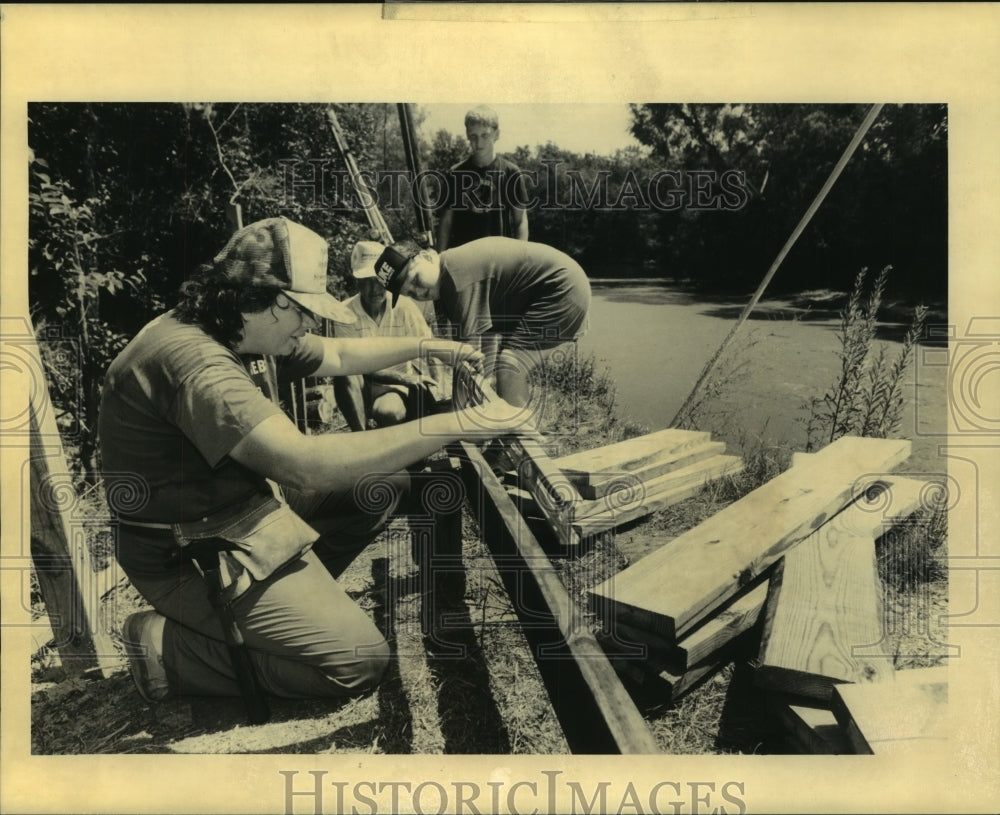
[(86, 716), (744, 724), (458, 676), (395, 720), (470, 719)]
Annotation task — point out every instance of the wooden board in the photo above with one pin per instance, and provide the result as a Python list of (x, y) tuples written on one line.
[(596, 712), (824, 607), (669, 685), (631, 454), (60, 553), (701, 643), (824, 601), (737, 618), (627, 496), (666, 685), (597, 484), (672, 589), (609, 481), (665, 494), (573, 519), (553, 492), (814, 730), (906, 712)]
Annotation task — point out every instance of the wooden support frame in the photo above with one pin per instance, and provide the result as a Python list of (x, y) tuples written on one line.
[(61, 559), (596, 712)]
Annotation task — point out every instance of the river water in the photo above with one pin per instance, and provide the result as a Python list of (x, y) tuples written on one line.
[(655, 338)]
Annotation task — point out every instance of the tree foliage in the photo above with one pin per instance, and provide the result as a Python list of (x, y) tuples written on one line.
[(889, 206), (126, 200)]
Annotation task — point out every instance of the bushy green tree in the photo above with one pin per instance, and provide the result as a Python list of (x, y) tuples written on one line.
[(889, 206), (126, 200)]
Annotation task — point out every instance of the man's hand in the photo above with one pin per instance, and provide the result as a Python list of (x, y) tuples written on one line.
[(452, 353), (421, 380), (495, 418)]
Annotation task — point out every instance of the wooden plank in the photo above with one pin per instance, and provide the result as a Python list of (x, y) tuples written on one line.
[(671, 589), (667, 684), (62, 562), (553, 492), (604, 483), (720, 630), (596, 712), (824, 600), (906, 712), (632, 499), (824, 605), (595, 484), (631, 454), (701, 643), (815, 730), (549, 484), (587, 527)]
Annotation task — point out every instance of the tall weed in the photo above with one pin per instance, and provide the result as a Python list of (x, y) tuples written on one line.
[(867, 398)]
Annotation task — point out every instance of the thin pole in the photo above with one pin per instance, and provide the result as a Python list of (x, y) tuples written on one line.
[(813, 207), (413, 160), (365, 196)]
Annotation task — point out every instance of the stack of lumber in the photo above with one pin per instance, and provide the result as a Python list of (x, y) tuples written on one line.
[(584, 494), (788, 571)]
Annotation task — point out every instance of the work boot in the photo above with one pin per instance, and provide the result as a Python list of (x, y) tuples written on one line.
[(143, 636)]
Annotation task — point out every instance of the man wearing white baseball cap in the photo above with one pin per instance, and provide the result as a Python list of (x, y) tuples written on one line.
[(193, 451), (394, 394)]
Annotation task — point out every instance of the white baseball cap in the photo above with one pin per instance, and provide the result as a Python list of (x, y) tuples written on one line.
[(363, 258)]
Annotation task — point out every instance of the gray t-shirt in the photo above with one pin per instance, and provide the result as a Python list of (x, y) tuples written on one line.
[(175, 402), (533, 294)]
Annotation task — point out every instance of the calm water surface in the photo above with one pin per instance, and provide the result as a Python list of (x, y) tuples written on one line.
[(655, 339)]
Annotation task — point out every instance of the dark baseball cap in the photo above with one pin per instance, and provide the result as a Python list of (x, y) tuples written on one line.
[(390, 269)]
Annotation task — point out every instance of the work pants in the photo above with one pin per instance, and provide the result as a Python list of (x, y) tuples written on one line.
[(306, 636)]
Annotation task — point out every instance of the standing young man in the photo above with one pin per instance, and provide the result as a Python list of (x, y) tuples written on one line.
[(486, 192)]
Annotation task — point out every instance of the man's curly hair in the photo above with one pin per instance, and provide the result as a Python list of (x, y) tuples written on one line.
[(216, 301)]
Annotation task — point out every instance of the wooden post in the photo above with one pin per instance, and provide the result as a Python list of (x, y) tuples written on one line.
[(59, 549), (596, 713)]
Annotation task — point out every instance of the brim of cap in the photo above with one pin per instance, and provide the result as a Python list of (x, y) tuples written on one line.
[(323, 305), (364, 271)]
